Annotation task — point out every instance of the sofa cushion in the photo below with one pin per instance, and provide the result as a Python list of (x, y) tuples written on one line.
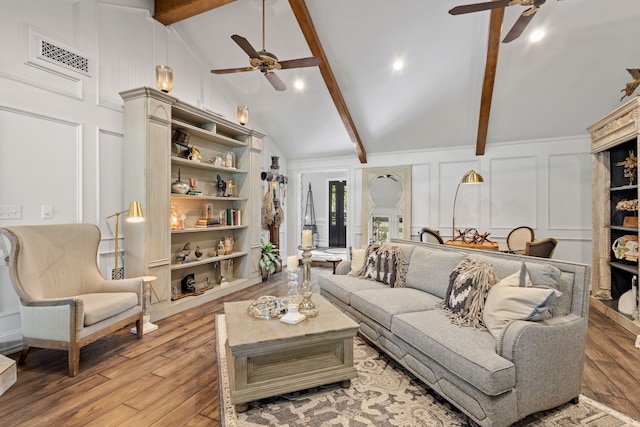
[(384, 264), (513, 298), (468, 353), (430, 268), (341, 286), (541, 274), (382, 304), (98, 307), (469, 285)]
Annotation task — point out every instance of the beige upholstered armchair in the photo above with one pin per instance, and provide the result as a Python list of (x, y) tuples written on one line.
[(65, 302)]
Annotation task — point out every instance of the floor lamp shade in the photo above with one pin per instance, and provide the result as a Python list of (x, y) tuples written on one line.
[(471, 177), (134, 214)]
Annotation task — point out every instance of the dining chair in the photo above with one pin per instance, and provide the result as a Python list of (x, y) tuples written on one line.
[(518, 237), (430, 235), (541, 248)]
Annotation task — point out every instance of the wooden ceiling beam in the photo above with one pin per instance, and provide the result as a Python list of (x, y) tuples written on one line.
[(493, 48), (301, 13), (169, 12)]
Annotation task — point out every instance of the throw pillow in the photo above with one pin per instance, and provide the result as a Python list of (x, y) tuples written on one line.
[(370, 255), (515, 298), (469, 285), (384, 264), (357, 261)]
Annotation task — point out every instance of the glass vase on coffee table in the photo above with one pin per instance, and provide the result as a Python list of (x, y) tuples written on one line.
[(307, 307), (292, 300)]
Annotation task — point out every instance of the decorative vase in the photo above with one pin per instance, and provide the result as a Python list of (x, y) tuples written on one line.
[(179, 187), (220, 248), (228, 245)]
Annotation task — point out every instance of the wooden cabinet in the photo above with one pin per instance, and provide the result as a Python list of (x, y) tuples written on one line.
[(614, 140), (228, 152)]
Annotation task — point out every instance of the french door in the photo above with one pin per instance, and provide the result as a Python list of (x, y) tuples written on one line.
[(338, 214)]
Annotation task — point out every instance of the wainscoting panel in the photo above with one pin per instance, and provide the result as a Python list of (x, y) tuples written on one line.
[(110, 199), (513, 190), (470, 197), (569, 207), (421, 187), (125, 52), (47, 154)]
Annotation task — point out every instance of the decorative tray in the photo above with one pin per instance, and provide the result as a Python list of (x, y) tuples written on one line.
[(267, 307), (626, 248)]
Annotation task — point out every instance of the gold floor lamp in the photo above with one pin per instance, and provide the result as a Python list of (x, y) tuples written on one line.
[(471, 177), (134, 214)]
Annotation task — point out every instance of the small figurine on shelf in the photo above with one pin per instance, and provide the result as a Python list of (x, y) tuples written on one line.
[(220, 248), (198, 253), (229, 159), (221, 186), (195, 154), (230, 185), (184, 253)]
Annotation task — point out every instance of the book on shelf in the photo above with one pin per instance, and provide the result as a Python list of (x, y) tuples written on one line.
[(233, 216), (207, 222)]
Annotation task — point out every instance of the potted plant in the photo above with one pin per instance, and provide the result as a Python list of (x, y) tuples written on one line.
[(269, 259)]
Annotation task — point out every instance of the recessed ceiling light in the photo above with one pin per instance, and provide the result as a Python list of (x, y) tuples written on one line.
[(398, 65), (536, 36), (299, 84)]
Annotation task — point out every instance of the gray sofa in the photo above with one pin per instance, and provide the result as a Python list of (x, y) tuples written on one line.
[(532, 366)]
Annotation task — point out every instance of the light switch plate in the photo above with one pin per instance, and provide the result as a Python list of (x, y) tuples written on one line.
[(10, 211), (47, 211)]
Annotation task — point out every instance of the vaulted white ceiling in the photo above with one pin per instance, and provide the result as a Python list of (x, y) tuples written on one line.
[(551, 89)]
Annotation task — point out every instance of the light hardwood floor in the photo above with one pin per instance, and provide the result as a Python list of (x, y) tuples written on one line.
[(169, 378)]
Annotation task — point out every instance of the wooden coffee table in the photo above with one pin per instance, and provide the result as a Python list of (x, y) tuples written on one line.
[(267, 357)]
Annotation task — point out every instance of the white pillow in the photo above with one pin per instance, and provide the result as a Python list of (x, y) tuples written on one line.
[(514, 298), (357, 261)]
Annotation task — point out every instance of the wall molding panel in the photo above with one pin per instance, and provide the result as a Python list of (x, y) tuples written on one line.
[(563, 192), (513, 192)]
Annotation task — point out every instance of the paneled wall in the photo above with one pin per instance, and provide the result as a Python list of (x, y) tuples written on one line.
[(61, 123), (544, 184)]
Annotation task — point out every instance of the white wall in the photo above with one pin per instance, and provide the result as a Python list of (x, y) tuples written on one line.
[(61, 131), (544, 184)]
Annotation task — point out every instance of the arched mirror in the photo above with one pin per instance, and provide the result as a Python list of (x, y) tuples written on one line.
[(386, 204)]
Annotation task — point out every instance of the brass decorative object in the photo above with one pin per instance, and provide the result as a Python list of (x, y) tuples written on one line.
[(630, 165), (631, 86)]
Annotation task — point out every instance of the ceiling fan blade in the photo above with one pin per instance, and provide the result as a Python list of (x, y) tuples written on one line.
[(477, 7), (246, 46), (299, 63), (520, 25), (232, 70), (275, 81)]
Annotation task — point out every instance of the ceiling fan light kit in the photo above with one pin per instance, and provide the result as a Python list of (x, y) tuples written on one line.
[(265, 61), (519, 26)]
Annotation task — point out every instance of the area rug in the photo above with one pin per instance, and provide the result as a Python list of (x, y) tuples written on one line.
[(383, 394)]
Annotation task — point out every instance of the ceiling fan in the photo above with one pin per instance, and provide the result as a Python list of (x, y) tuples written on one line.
[(265, 61), (520, 24)]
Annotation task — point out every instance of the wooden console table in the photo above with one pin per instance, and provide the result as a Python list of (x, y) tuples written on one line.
[(493, 246)]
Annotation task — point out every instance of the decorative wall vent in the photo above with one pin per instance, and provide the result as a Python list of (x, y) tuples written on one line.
[(64, 57), (49, 54)]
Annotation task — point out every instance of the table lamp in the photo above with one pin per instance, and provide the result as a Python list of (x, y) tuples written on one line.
[(471, 177), (134, 214)]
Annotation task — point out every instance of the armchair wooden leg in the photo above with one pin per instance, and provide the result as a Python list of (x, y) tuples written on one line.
[(74, 359), (23, 354), (139, 323)]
